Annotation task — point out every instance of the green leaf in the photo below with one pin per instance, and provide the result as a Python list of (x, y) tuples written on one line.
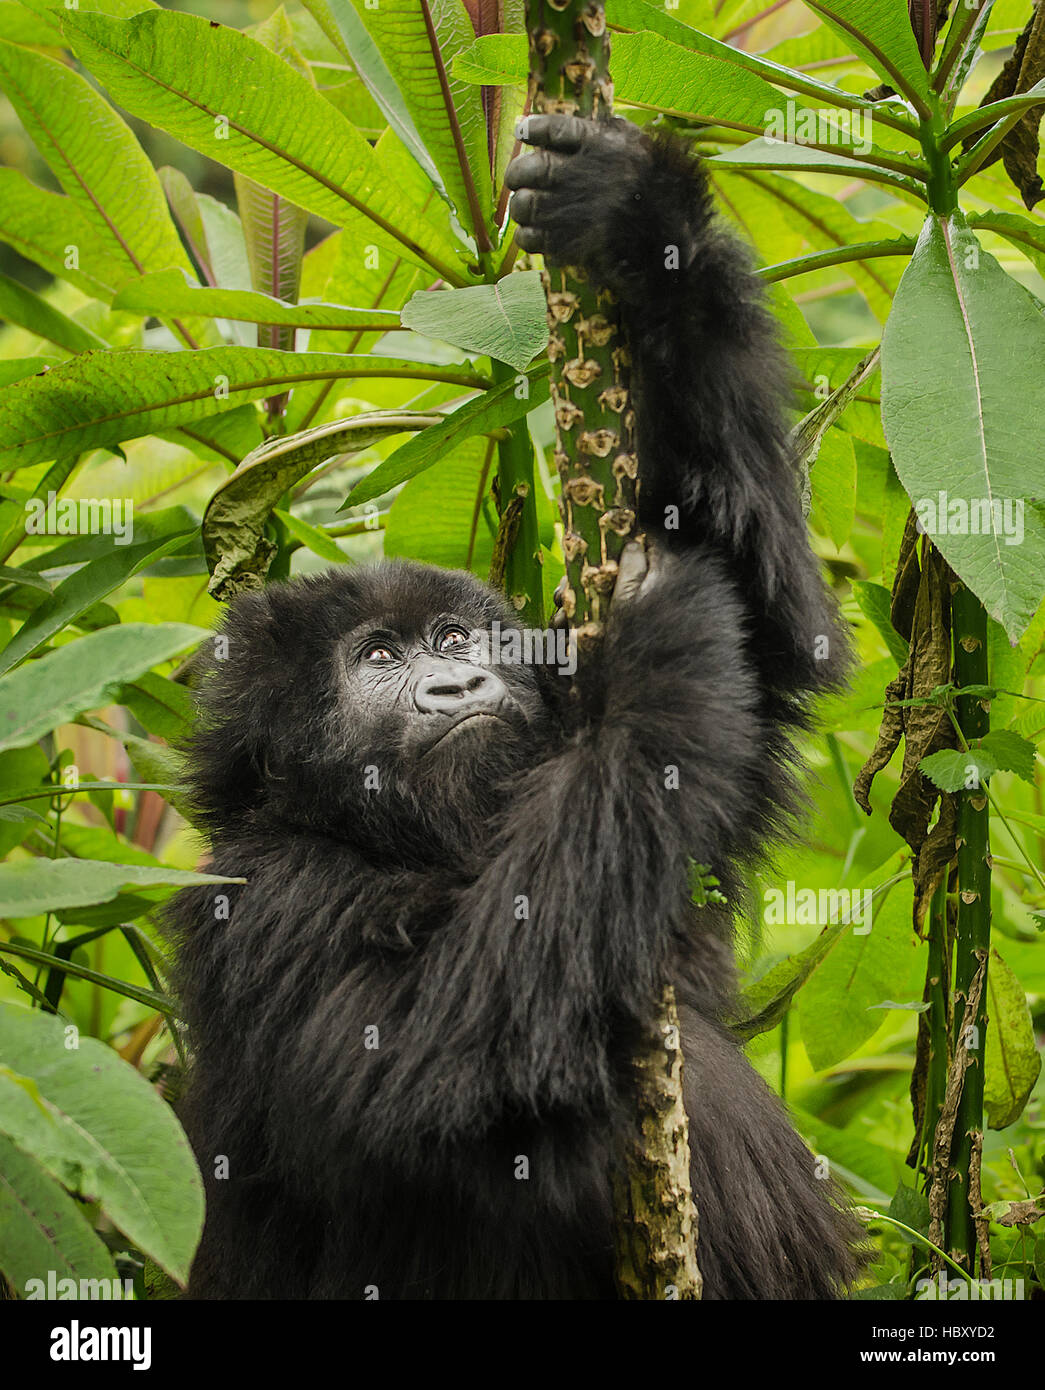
[(105, 1134), (100, 399), (954, 770), (506, 320), (495, 407), (168, 292), (81, 591), (83, 675), (875, 602), (51, 230), (43, 1228), (963, 358), (234, 522), (226, 95), (1012, 1062), (833, 477), (880, 30), (457, 490), (347, 32), (1010, 753), (95, 157), (836, 1005), (29, 887), (32, 312), (450, 122)]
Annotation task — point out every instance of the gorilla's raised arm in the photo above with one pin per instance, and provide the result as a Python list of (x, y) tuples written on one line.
[(709, 376)]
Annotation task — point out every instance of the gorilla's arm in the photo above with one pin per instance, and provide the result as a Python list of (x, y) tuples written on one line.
[(709, 376)]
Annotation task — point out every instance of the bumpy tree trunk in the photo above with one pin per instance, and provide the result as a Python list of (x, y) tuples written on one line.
[(597, 463)]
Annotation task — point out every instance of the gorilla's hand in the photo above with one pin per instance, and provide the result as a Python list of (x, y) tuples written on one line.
[(587, 195)]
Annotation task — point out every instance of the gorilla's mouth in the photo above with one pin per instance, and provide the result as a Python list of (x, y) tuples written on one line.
[(472, 720)]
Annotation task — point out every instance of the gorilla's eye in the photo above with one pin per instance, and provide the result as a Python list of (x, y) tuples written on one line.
[(378, 654), (451, 638)]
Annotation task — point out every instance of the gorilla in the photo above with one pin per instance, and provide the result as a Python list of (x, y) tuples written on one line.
[(467, 880)]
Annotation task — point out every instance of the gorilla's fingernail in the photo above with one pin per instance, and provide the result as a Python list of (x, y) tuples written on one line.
[(522, 125)]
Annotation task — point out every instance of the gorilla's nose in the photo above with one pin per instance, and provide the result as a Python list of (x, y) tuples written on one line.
[(458, 690)]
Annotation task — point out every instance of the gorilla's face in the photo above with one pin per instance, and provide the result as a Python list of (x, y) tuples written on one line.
[(371, 705), (431, 688), (429, 726)]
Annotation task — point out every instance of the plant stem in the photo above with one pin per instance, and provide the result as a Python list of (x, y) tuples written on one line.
[(515, 488), (938, 1021), (972, 934), (656, 1220), (594, 430)]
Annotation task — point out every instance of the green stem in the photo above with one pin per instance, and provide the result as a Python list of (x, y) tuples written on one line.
[(943, 185), (973, 927), (515, 481), (938, 1021), (840, 255), (922, 1240)]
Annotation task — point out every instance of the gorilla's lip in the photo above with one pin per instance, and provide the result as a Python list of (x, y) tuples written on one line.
[(466, 719)]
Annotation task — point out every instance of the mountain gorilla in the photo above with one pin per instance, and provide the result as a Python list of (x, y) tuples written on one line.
[(412, 1024)]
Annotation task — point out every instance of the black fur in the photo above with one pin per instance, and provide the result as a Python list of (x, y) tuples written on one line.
[(394, 1167)]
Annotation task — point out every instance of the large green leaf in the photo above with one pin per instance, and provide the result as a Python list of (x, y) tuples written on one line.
[(494, 408), (417, 44), (507, 320), (80, 591), (51, 230), (880, 30), (41, 1227), (29, 887), (103, 398), (228, 96), (963, 360), (168, 292), (83, 675), (347, 32), (95, 157), (100, 1129), (1013, 1061)]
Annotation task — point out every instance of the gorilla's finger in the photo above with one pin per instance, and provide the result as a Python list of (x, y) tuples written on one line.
[(537, 169), (632, 569), (553, 131), (530, 239), (525, 207)]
